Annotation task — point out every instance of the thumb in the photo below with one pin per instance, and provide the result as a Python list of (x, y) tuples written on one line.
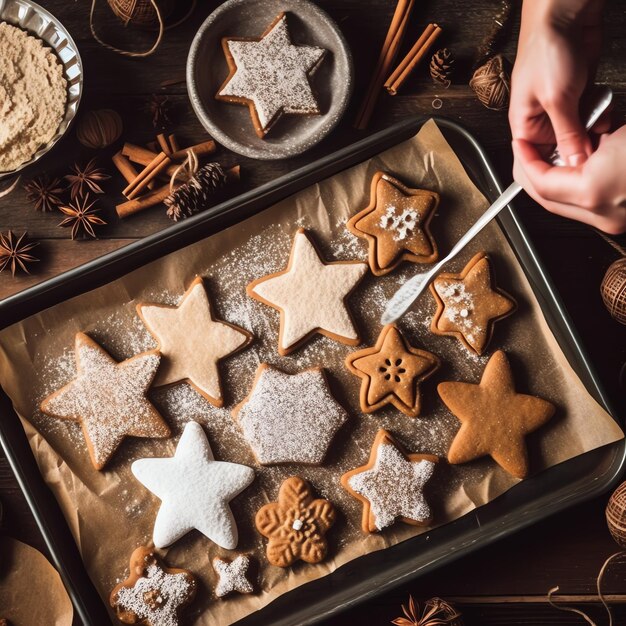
[(572, 140)]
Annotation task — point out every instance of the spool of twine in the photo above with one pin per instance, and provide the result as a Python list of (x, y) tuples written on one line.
[(141, 12), (491, 83)]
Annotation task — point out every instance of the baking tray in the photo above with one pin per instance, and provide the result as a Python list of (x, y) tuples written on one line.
[(533, 499)]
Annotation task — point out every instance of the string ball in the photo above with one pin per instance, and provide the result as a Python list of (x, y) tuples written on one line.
[(491, 83), (613, 290)]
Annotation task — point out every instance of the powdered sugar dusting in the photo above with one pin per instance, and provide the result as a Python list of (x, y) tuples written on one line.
[(401, 224), (459, 306), (232, 575)]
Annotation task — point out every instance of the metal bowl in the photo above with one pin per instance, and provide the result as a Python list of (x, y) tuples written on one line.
[(230, 124), (39, 22)]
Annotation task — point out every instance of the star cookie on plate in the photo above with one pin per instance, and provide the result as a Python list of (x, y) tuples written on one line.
[(494, 417), (192, 342), (311, 296), (233, 575), (296, 525), (392, 371), (108, 399), (194, 490), (289, 418), (391, 485), (270, 75), (153, 594), (396, 224), (469, 303)]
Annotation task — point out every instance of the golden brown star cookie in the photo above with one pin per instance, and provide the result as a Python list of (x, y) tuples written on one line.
[(469, 303), (494, 417), (392, 371), (396, 224)]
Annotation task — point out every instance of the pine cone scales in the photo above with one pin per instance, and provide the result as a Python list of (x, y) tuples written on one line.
[(442, 66)]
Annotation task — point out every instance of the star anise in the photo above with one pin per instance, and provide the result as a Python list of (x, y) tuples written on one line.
[(86, 178), (15, 252), (44, 192), (160, 109), (436, 612), (82, 216)]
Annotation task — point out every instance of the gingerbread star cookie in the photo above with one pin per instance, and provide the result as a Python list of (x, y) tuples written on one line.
[(494, 417), (396, 224), (296, 525), (270, 75), (392, 371), (108, 399), (152, 595), (469, 303), (195, 491), (233, 575), (391, 485), (192, 342), (311, 296), (289, 418)]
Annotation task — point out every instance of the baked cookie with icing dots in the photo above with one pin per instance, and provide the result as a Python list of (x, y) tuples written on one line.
[(271, 75)]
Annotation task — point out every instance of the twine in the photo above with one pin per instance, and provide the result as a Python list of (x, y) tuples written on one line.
[(190, 164), (11, 187), (611, 242)]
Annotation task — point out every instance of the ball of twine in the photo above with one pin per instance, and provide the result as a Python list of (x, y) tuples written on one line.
[(616, 515), (613, 290), (141, 12), (99, 129), (492, 83)]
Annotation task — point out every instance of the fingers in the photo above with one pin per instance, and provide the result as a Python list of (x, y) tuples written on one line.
[(571, 138)]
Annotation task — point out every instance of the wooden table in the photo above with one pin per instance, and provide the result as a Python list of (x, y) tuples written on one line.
[(502, 584)]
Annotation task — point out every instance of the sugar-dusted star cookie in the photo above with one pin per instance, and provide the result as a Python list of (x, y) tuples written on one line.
[(392, 371), (289, 418), (396, 224), (194, 490), (311, 296), (270, 75), (233, 575), (494, 417), (469, 303), (192, 342), (152, 595), (391, 485), (108, 399)]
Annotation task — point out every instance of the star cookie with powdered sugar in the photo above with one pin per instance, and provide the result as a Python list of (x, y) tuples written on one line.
[(233, 575), (396, 223), (391, 485), (270, 75)]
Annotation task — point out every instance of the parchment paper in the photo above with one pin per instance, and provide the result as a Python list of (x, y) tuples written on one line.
[(110, 513)]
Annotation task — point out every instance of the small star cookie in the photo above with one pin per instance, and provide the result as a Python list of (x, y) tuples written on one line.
[(494, 417), (152, 594), (233, 575), (311, 296), (391, 485), (270, 75), (396, 224), (192, 342), (392, 371), (194, 490), (108, 399), (469, 303)]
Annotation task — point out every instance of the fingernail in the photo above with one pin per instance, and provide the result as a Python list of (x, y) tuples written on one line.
[(574, 160)]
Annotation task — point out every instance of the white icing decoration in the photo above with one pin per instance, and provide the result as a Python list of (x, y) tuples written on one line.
[(403, 224), (232, 576), (297, 524)]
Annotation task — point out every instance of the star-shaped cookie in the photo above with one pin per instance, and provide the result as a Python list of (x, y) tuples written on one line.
[(108, 399), (391, 485), (311, 296), (194, 490), (233, 575), (469, 303), (270, 75), (192, 342), (392, 371), (494, 417), (396, 224)]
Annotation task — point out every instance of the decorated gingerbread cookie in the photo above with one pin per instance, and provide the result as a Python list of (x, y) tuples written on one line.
[(108, 399), (195, 491), (494, 418), (396, 223), (469, 303), (392, 371), (296, 525), (311, 296), (289, 418), (152, 595), (270, 75), (232, 575), (391, 485), (192, 342)]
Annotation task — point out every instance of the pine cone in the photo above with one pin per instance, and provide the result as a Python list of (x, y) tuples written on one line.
[(442, 66)]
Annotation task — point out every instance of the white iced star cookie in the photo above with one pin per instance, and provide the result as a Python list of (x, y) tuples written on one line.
[(233, 575), (194, 490), (311, 296), (391, 485), (270, 75), (192, 342)]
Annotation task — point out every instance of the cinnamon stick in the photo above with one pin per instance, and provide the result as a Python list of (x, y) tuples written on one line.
[(200, 149), (171, 139), (149, 173), (125, 167), (163, 143), (143, 156), (411, 60)]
